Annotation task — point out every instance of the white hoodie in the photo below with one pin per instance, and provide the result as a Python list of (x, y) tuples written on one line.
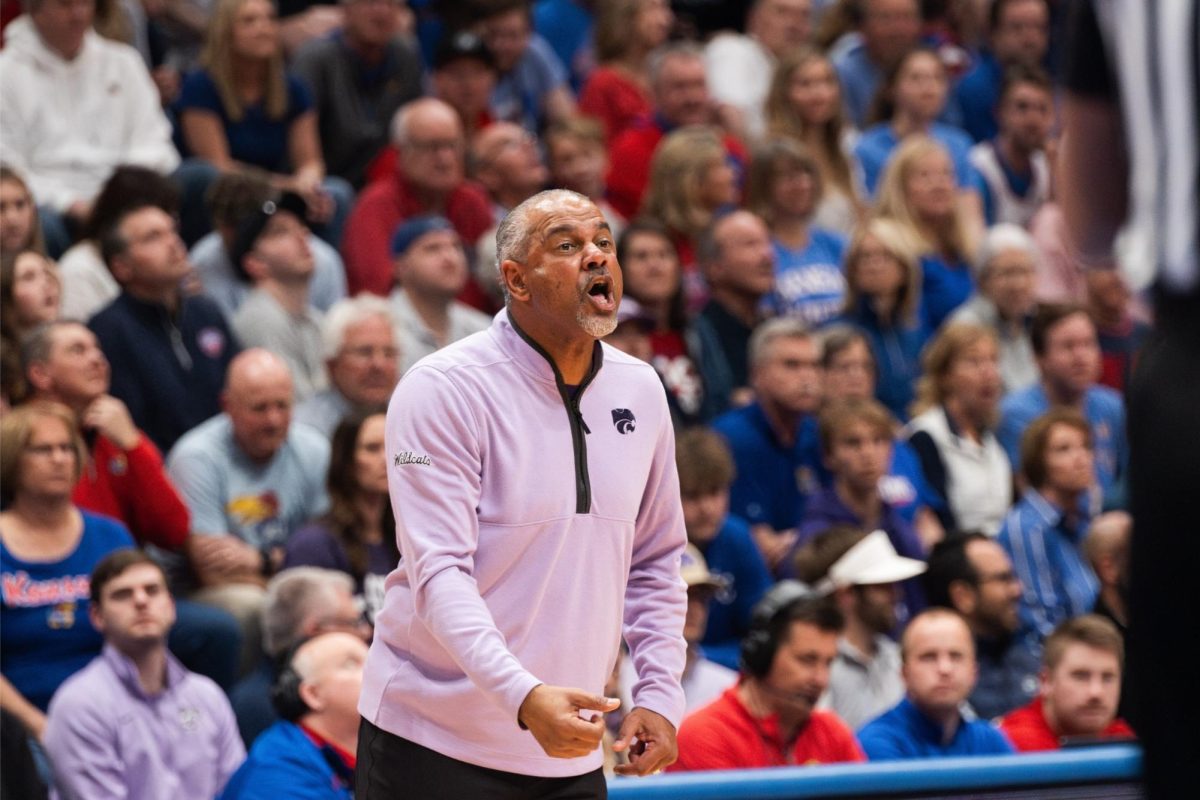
[(65, 125)]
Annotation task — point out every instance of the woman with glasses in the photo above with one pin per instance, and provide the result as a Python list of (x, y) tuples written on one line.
[(48, 549)]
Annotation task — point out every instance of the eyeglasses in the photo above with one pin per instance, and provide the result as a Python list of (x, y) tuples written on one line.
[(366, 352), (46, 450), (433, 145)]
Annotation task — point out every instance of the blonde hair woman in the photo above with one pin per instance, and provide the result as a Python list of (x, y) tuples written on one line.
[(918, 193), (883, 289), (804, 103), (957, 407)]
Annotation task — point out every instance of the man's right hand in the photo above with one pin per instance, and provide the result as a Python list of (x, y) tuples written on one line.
[(551, 713)]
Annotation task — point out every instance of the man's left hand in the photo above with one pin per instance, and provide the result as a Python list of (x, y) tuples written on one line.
[(654, 748)]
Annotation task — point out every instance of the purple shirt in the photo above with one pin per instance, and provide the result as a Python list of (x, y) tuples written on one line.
[(107, 738), (533, 537)]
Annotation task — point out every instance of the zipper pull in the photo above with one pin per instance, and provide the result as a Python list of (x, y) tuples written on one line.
[(579, 416)]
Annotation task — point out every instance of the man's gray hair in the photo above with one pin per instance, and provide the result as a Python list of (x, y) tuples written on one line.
[(767, 333), (402, 119), (1000, 238), (297, 597), (351, 311), (512, 235), (660, 56)]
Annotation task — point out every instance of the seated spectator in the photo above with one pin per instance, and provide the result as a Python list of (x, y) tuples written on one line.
[(362, 357), (1080, 689), (772, 438), (886, 30), (848, 373), (918, 193), (703, 680), (632, 334), (358, 78), (578, 160), (507, 161), (272, 249), (301, 602), (463, 76), (311, 750), (250, 478), (653, 277), (431, 269), (48, 548), (356, 535), (971, 574), (785, 189), (952, 431), (1107, 550), (1044, 532), (19, 226), (856, 444), (769, 719), (739, 267), (1014, 170), (1018, 34), (939, 670), (241, 109), (88, 285), (705, 471), (170, 349), (234, 198), (105, 732), (617, 92), (569, 27), (861, 570), (73, 107), (30, 288), (883, 300), (805, 103), (740, 64), (532, 89), (680, 91), (1068, 357), (911, 99), (1120, 334), (428, 179), (1007, 268)]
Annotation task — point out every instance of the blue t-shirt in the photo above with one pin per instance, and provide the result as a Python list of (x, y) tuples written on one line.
[(1105, 413), (976, 96), (45, 633), (944, 287), (809, 283), (904, 732), (773, 479), (897, 351), (875, 147), (733, 553), (255, 139), (520, 94)]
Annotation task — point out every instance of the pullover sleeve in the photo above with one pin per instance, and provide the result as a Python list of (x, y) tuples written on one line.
[(82, 746), (156, 512), (435, 481), (656, 596)]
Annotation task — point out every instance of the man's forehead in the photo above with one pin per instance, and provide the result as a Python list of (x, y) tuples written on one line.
[(571, 215), (69, 334), (141, 574)]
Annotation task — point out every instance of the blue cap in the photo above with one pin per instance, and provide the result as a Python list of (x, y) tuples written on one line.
[(414, 228)]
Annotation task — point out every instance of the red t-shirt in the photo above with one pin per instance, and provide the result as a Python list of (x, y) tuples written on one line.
[(1028, 730), (723, 735), (615, 99)]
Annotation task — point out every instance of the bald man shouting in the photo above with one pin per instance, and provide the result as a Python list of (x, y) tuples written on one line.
[(249, 478)]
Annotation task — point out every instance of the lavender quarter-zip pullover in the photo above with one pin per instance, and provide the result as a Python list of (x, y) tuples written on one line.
[(536, 528)]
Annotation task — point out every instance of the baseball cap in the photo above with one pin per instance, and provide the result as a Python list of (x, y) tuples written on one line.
[(251, 226), (873, 560), (463, 44), (694, 570), (413, 228)]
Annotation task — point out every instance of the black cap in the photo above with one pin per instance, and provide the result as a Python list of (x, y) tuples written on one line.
[(463, 44), (251, 226)]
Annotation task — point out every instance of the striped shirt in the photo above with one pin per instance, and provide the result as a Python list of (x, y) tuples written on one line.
[(1046, 552), (1146, 55)]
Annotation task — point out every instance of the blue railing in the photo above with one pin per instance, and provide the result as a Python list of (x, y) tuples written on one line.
[(1115, 764)]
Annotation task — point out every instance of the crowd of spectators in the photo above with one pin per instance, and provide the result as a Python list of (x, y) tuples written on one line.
[(228, 228)]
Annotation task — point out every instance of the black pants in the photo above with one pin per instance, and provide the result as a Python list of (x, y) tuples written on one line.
[(390, 767), (1164, 472)]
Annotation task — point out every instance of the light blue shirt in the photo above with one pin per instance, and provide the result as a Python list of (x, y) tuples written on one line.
[(809, 284), (875, 146)]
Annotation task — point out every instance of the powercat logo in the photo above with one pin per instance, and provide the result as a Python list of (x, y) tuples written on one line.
[(624, 420)]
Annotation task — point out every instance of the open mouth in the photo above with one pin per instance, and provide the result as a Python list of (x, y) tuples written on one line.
[(600, 292)]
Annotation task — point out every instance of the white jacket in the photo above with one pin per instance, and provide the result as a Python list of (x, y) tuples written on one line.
[(65, 125)]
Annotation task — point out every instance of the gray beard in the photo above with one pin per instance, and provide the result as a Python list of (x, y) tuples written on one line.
[(595, 326)]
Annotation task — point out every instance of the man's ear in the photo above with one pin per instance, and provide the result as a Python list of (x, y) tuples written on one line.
[(512, 276), (38, 376)]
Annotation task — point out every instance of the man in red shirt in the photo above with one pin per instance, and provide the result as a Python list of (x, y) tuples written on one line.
[(428, 179), (768, 718), (1080, 688)]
